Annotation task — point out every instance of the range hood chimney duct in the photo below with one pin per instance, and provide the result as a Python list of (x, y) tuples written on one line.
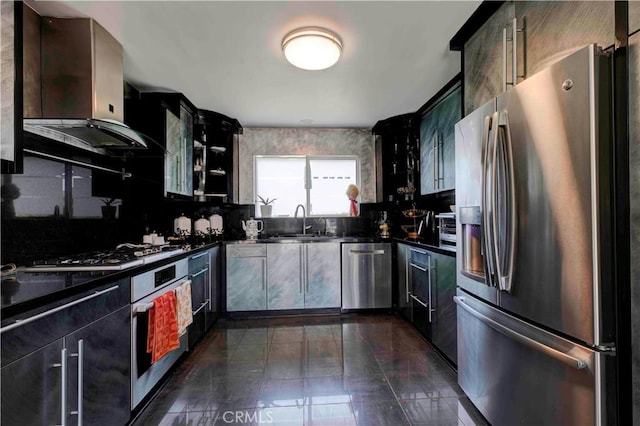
[(76, 67)]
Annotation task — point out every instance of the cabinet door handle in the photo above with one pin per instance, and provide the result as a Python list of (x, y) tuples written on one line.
[(264, 273), (306, 269), (197, 274), (197, 256), (420, 268), (202, 305), (420, 302), (19, 323), (63, 386), (514, 52), (80, 356), (504, 59), (300, 264), (430, 283)]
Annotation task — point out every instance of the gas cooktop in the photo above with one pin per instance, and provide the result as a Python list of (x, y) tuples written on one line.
[(122, 257)]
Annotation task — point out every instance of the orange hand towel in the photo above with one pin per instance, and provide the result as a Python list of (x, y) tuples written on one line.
[(183, 306), (163, 326)]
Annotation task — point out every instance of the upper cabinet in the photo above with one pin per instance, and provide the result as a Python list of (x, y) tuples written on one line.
[(539, 32), (11, 88), (168, 119), (634, 16), (397, 147), (437, 140), (215, 157), (484, 59)]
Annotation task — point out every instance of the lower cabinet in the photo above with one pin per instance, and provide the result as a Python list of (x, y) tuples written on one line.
[(303, 276), (285, 281), (323, 279), (82, 375), (246, 277), (403, 303), (283, 276), (426, 284), (200, 276), (444, 318)]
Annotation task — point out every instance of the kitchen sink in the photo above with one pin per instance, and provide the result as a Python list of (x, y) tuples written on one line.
[(297, 238)]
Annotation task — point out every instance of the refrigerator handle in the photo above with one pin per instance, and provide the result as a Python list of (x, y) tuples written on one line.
[(569, 360), (495, 242), (505, 274), (487, 236)]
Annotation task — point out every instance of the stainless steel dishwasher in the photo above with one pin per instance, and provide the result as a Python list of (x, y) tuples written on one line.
[(366, 275)]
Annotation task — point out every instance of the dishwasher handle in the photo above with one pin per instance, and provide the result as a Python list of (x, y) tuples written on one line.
[(365, 252)]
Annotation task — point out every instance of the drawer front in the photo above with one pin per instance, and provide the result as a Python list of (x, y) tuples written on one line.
[(253, 250), (198, 262), (419, 256), (30, 336)]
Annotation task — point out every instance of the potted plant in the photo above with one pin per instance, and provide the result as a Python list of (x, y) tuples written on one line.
[(110, 208), (266, 207)]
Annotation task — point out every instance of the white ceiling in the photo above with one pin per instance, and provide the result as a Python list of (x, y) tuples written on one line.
[(226, 56)]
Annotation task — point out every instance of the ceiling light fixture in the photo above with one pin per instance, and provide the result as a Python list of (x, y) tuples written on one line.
[(312, 48)]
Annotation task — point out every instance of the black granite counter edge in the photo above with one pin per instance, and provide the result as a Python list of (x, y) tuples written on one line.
[(426, 245), (36, 304), (278, 240)]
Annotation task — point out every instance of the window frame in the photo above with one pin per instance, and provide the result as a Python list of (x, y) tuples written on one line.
[(307, 179)]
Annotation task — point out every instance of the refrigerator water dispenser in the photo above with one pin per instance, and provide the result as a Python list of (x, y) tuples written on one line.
[(472, 259)]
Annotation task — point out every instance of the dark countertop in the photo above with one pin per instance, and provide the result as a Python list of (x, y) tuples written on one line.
[(428, 245), (25, 291)]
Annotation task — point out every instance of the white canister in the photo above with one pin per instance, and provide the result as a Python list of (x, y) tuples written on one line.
[(217, 227), (182, 225), (201, 226)]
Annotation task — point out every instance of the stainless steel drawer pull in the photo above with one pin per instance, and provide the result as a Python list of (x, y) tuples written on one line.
[(63, 386), (419, 301), (413, 265), (202, 305), (418, 251), (355, 251), (197, 274), (197, 256), (20, 323), (576, 363)]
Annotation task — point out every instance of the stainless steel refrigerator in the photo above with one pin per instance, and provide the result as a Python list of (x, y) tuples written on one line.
[(535, 299)]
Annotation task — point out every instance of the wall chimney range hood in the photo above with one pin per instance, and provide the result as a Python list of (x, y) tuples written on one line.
[(74, 87), (94, 135)]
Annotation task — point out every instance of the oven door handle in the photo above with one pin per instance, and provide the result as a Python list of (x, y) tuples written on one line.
[(20, 323)]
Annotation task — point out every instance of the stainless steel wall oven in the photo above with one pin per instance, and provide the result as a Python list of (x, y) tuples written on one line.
[(144, 289)]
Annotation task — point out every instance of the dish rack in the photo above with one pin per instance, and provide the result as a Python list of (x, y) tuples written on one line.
[(414, 214)]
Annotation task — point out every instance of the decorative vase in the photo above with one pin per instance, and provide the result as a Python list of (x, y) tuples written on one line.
[(265, 210)]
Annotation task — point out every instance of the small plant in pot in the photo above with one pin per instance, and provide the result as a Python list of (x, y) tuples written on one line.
[(110, 208), (266, 207)]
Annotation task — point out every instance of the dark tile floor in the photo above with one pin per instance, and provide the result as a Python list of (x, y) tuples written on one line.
[(325, 370)]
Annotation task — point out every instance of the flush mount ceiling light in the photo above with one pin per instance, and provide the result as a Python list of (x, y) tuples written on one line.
[(312, 48)]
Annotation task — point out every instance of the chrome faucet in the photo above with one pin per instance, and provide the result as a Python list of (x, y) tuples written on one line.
[(304, 218)]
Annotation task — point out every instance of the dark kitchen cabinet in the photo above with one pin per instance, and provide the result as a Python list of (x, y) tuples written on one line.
[(80, 350), (215, 157), (443, 318), (200, 276), (545, 32), (634, 16), (166, 168), (35, 383), (437, 142), (403, 303), (99, 362), (426, 284), (399, 158), (212, 310), (483, 59)]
